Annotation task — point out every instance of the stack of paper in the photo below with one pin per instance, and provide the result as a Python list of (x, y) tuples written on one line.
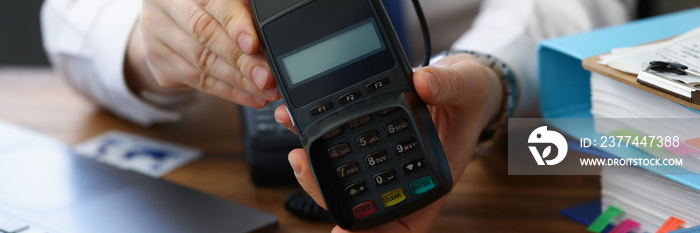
[(613, 99), (643, 195), (645, 114), (649, 199), (684, 49)]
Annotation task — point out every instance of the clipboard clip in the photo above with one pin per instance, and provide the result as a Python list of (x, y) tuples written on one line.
[(659, 75), (671, 67)]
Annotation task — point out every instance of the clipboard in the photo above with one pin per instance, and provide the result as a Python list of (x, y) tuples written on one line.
[(565, 86), (671, 84), (591, 64)]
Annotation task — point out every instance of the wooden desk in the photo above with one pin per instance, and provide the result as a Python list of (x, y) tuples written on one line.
[(485, 200)]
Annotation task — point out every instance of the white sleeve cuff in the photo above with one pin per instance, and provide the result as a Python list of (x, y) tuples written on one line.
[(108, 43), (510, 30), (501, 31)]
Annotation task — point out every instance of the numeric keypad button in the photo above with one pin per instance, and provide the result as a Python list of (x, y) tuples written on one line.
[(348, 169), (376, 158), (405, 146), (355, 189), (367, 139), (333, 133), (384, 177), (387, 111), (339, 150), (413, 165), (396, 126), (360, 121)]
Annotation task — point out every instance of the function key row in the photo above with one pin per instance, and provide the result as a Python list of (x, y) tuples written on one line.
[(349, 97)]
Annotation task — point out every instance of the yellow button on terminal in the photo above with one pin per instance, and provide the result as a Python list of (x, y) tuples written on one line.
[(393, 197)]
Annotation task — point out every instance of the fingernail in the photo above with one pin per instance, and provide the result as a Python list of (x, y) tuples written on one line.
[(260, 75), (434, 84), (259, 101), (295, 166), (272, 93), (245, 43)]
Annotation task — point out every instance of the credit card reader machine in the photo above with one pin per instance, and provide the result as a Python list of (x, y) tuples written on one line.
[(347, 84)]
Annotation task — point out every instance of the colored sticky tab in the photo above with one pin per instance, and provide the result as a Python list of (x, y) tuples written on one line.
[(625, 226), (602, 221), (682, 149), (695, 142), (694, 229), (626, 132), (670, 225)]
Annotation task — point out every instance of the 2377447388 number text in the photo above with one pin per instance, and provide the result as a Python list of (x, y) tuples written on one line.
[(632, 141)]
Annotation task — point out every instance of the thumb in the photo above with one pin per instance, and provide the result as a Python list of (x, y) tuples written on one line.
[(302, 171), (452, 81)]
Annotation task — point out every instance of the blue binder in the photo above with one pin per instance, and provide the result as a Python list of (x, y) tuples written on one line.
[(565, 90)]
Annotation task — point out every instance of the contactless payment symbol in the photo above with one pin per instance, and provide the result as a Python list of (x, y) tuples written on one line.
[(543, 136)]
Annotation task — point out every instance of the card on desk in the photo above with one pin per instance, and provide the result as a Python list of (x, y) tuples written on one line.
[(140, 154)]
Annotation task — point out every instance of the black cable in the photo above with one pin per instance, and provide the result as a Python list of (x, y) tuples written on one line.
[(426, 32), (304, 207)]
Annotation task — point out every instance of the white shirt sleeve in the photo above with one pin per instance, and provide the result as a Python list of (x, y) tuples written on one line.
[(510, 31), (86, 42)]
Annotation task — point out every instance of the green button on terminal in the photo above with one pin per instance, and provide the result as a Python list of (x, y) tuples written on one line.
[(422, 185)]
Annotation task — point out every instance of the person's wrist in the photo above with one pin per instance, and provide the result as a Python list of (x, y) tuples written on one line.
[(509, 94), (494, 103)]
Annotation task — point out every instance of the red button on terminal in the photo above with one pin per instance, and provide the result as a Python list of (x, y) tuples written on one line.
[(364, 209)]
